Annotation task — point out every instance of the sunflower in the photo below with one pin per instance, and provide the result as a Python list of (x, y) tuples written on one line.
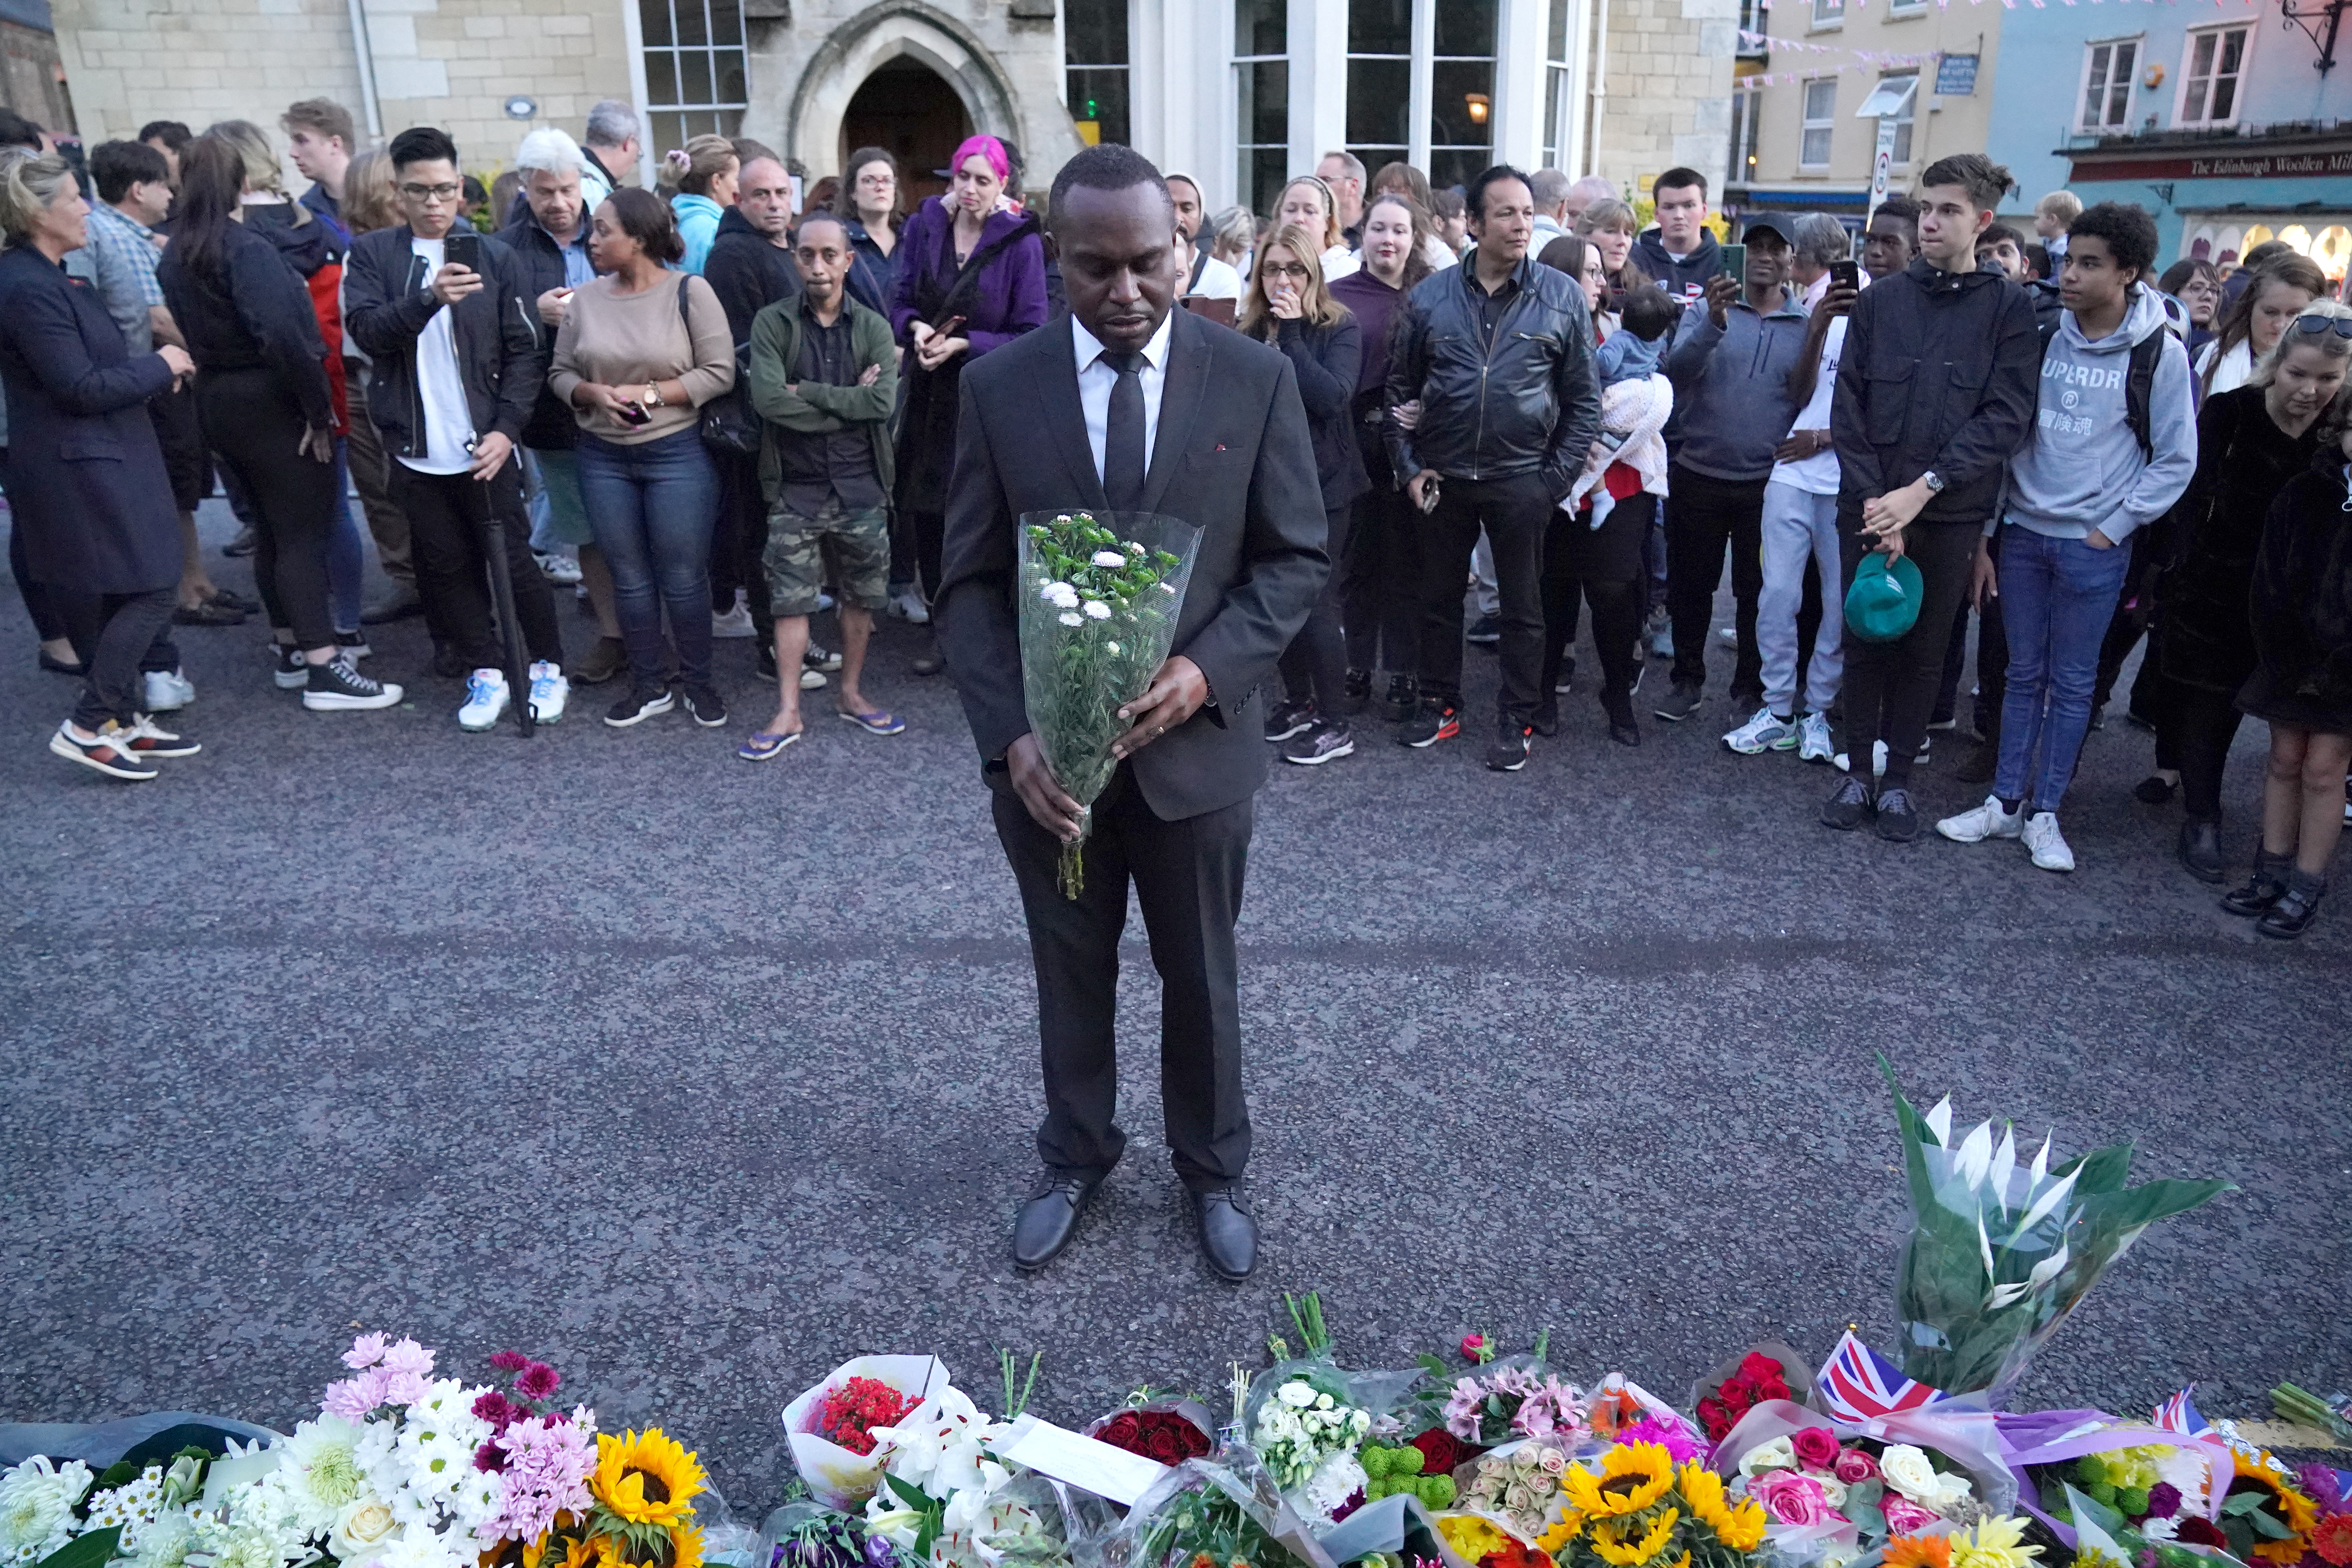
[(1740, 1526), (584, 1551), (1920, 1551), (1625, 1543), (1632, 1478), (1994, 1543), (1564, 1529), (647, 1479), (2294, 1509)]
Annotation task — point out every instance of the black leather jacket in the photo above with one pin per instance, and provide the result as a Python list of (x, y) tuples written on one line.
[(1526, 402), (500, 357), (538, 266)]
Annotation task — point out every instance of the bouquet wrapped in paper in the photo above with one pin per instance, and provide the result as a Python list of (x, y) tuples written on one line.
[(2002, 1249), (1100, 597), (832, 1427)]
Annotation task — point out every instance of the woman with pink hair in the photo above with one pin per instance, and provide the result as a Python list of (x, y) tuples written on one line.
[(972, 277)]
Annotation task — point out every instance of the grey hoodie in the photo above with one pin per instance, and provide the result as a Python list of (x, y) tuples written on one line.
[(1731, 385), (2080, 466)]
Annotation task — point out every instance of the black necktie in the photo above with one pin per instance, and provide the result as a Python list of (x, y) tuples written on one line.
[(1123, 435)]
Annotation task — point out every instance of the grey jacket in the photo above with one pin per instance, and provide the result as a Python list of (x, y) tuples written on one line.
[(1731, 385)]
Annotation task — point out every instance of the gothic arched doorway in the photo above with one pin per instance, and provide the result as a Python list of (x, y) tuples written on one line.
[(909, 109)]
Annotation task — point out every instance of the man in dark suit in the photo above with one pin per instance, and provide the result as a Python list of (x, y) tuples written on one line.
[(1113, 407)]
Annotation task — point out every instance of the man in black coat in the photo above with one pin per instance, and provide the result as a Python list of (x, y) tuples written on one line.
[(457, 367), (1112, 407)]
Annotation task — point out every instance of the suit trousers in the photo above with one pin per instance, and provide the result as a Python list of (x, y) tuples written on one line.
[(1515, 513), (1890, 686), (1704, 517), (1188, 877)]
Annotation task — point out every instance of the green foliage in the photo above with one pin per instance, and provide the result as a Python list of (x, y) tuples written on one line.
[(932, 1510), (94, 1550)]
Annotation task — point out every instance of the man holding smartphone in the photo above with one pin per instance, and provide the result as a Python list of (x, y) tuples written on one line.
[(456, 369)]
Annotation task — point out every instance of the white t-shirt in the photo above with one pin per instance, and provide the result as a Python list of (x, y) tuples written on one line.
[(1818, 475), (2236, 369), (449, 423), (1218, 281), (1338, 261)]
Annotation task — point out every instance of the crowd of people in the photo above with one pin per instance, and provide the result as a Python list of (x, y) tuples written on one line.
[(730, 405)]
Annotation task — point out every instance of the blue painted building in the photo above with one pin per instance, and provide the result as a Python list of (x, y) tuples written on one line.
[(2230, 122)]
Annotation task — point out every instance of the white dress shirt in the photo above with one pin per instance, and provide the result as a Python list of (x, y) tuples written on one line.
[(1096, 380)]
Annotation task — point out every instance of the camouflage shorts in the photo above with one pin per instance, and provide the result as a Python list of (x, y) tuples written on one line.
[(857, 541)]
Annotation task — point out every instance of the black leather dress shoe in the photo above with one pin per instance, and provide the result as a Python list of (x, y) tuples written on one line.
[(1228, 1233), (2200, 850), (1050, 1218)]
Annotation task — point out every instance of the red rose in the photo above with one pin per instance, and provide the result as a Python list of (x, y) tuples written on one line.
[(1441, 1452), (1123, 1431), (1771, 1388), (1817, 1448), (1739, 1398), (1715, 1418), (1164, 1446), (1756, 1366), (2199, 1530)]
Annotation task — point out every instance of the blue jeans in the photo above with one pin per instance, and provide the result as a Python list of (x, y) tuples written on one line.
[(347, 548), (653, 506), (2057, 597)]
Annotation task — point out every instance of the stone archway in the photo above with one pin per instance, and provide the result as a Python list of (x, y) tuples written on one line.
[(908, 109), (897, 29)]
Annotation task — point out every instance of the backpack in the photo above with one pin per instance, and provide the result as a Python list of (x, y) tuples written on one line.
[(2139, 381)]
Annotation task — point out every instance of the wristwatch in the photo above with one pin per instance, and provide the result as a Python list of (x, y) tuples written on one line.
[(1934, 482), (654, 400)]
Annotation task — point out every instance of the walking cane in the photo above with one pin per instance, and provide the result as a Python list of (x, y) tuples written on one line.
[(494, 546)]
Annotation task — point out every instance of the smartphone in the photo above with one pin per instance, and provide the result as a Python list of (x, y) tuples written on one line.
[(634, 413), (1735, 262), (949, 327), (1845, 275), (463, 248), (1429, 494)]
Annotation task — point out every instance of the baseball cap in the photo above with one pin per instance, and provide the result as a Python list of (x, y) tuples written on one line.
[(1883, 602), (1779, 224)]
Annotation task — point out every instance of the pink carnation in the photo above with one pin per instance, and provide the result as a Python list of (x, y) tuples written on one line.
[(538, 1381), (1792, 1499), (548, 1464), (1904, 1517)]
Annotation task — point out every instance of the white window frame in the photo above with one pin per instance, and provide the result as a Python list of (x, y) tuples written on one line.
[(1243, 70), (726, 116), (1827, 16), (1899, 8), (1747, 106), (1807, 124), (2244, 73), (2137, 43), (1907, 118)]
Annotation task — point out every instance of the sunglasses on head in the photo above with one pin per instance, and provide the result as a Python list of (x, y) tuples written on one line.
[(2315, 325)]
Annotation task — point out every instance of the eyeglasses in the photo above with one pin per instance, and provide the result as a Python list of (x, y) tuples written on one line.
[(2315, 325), (1287, 269), (431, 193)]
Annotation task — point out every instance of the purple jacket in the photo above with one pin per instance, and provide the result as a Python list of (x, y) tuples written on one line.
[(1010, 297)]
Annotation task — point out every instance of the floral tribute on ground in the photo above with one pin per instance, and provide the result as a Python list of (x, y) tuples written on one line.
[(1484, 1460)]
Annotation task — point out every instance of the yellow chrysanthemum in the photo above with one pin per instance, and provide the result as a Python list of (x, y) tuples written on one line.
[(1632, 1478), (647, 1479), (1994, 1543), (1625, 1543), (1471, 1535)]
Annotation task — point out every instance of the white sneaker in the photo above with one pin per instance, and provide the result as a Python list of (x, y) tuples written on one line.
[(1766, 731), (811, 678), (2048, 845), (547, 692), (735, 623), (560, 568), (1814, 743), (486, 699), (167, 690), (1727, 636), (1986, 821), (1845, 763), (908, 607)]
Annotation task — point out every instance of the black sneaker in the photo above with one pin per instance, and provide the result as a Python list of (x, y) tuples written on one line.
[(1325, 743), (706, 707), (639, 705), (766, 658), (1439, 720), (1898, 822), (815, 658), (1510, 752), (1567, 681), (1849, 808), (1621, 728), (336, 686), (1547, 719), (353, 646), (289, 668), (1285, 720), (1355, 692), (1487, 631), (1403, 700), (1679, 703)]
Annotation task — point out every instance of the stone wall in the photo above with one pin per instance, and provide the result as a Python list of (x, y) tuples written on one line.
[(1669, 66)]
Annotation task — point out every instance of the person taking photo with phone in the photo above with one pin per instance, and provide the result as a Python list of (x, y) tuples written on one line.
[(455, 368)]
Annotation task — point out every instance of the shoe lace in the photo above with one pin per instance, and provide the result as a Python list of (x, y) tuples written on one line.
[(349, 674), (1895, 799)]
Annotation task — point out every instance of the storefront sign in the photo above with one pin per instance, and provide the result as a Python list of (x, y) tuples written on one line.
[(2217, 166), (1956, 76)]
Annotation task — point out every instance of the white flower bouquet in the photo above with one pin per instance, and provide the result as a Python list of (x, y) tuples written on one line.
[(1100, 597), (1308, 1438)]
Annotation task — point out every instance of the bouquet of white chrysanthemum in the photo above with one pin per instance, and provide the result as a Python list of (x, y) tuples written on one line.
[(1100, 597)]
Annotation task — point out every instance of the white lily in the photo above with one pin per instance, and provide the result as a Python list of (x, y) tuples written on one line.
[(1975, 1157), (1939, 1121), (2004, 1166), (2048, 1202), (2049, 1269)]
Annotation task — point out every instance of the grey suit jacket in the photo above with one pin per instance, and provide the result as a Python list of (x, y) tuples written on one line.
[(1231, 456)]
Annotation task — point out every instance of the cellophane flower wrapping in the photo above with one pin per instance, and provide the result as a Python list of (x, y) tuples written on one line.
[(1101, 592), (836, 1476), (2002, 1249), (1228, 1508)]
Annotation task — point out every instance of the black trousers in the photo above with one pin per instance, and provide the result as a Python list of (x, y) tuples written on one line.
[(46, 605), (1706, 516), (1601, 567), (119, 645), (1992, 665), (928, 532), (2194, 730), (1315, 664), (1890, 686), (2134, 614), (739, 545), (254, 425), (448, 517), (1515, 513), (1379, 574), (1188, 878)]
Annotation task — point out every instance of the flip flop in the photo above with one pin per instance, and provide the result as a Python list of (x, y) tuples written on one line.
[(763, 745), (880, 721)]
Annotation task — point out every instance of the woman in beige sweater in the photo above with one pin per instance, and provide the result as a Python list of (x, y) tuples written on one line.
[(641, 349)]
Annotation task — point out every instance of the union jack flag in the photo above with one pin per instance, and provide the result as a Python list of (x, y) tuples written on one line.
[(1858, 1384), (2177, 1414)]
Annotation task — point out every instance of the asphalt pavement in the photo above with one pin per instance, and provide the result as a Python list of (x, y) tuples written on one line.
[(696, 1077)]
